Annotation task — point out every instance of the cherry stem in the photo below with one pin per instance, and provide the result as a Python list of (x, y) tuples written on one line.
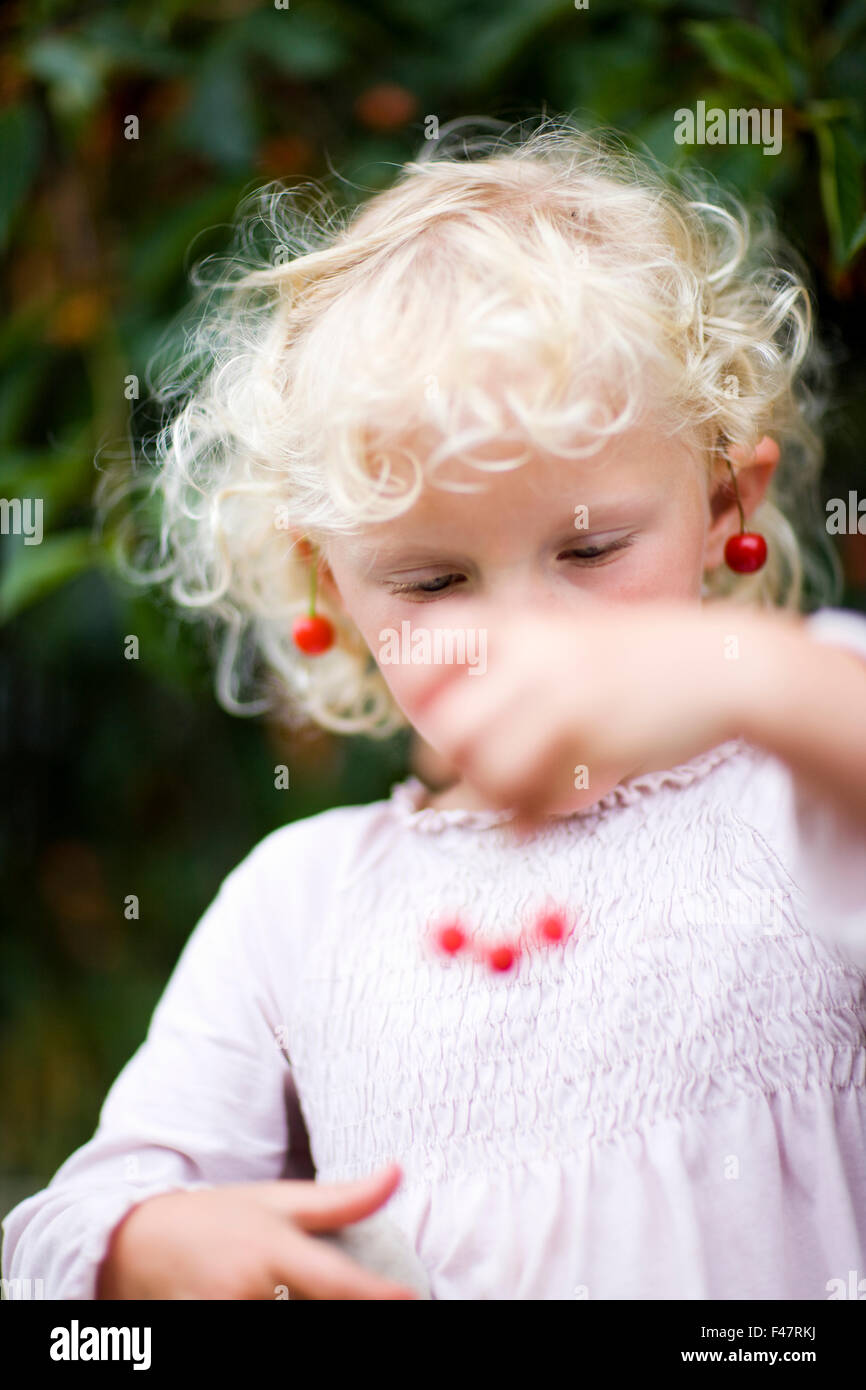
[(737, 496), (313, 572)]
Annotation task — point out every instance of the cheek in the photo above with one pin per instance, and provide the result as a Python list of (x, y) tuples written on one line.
[(379, 625), (378, 615), (667, 565), (407, 681)]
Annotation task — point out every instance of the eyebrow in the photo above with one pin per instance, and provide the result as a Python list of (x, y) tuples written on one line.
[(412, 557), (608, 511)]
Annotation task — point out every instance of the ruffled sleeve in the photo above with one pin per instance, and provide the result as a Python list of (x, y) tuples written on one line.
[(206, 1099), (830, 846)]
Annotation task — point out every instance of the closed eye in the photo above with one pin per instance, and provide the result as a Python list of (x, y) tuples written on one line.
[(590, 555), (428, 586)]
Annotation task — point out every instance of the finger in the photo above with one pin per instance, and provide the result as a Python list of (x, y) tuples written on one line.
[(316, 1206), (518, 764), (328, 1273), (460, 718), (463, 716)]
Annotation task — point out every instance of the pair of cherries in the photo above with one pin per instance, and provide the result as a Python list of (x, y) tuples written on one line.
[(745, 553), (452, 939)]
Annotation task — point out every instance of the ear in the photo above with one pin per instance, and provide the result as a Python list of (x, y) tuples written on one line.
[(328, 586), (325, 582), (753, 472)]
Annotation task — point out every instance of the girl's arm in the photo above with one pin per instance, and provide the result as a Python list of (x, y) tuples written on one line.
[(809, 710), (204, 1100), (804, 702)]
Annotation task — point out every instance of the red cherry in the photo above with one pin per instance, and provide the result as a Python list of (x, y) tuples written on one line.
[(313, 634), (451, 939), (551, 927), (501, 957), (745, 552)]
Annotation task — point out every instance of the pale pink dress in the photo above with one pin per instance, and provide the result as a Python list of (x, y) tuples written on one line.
[(672, 1106)]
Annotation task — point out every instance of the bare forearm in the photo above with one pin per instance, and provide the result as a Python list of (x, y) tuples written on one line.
[(805, 703)]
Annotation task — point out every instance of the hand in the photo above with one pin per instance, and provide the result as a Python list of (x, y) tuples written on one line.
[(244, 1240), (620, 688)]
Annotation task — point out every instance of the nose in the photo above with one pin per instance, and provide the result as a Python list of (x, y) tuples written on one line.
[(519, 584), (530, 588)]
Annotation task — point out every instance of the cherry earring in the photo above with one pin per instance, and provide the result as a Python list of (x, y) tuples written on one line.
[(313, 633), (747, 551)]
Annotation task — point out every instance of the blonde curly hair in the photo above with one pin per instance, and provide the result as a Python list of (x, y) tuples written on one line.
[(486, 296)]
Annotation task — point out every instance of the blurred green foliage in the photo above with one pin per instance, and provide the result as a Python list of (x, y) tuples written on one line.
[(126, 777)]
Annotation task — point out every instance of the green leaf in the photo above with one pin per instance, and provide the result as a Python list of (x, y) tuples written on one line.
[(21, 138), (73, 70), (158, 255), (616, 77), (21, 327), (858, 240), (842, 189), (123, 46), (60, 477), (482, 48), (747, 55), (220, 121), (296, 43), (19, 387), (34, 571), (850, 19)]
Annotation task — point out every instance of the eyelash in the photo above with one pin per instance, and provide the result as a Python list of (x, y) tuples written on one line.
[(589, 557)]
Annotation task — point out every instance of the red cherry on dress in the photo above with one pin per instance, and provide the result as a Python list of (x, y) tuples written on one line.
[(451, 939), (745, 552), (501, 957), (551, 927), (313, 634)]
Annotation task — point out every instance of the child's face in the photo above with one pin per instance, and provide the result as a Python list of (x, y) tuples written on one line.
[(646, 503)]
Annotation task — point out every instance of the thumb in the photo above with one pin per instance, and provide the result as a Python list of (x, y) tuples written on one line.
[(319, 1206)]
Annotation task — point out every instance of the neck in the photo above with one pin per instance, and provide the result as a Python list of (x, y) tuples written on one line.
[(460, 795)]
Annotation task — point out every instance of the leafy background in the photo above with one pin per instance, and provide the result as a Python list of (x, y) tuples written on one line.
[(125, 776)]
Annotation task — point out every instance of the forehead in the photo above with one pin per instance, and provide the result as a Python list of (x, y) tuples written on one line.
[(633, 470)]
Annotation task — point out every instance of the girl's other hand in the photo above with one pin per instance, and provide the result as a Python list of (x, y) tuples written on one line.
[(247, 1241)]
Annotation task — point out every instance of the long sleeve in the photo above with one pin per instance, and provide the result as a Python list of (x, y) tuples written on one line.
[(207, 1098), (831, 849)]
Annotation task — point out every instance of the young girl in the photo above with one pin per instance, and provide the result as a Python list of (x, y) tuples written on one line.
[(589, 1023)]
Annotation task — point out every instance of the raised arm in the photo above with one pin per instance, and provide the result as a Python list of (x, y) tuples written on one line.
[(805, 703)]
